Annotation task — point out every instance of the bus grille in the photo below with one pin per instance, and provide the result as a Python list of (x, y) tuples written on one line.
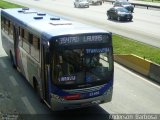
[(84, 90)]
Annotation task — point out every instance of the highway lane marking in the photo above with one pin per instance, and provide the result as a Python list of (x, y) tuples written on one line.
[(13, 80), (28, 105), (3, 64), (134, 74)]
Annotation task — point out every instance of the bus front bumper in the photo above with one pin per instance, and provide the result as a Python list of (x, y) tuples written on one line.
[(58, 104)]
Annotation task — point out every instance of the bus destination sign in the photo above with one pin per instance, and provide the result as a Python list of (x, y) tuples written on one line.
[(68, 40)]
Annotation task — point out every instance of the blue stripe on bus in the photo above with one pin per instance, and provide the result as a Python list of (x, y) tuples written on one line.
[(60, 92), (99, 92)]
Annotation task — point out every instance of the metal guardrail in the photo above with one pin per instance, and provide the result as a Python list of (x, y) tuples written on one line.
[(138, 4), (145, 5)]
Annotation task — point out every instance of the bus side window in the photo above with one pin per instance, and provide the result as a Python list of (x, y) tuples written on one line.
[(20, 38), (2, 22), (6, 26), (21, 35), (10, 29), (25, 40), (36, 42), (35, 47)]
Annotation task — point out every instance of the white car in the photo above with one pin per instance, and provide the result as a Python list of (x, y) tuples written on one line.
[(95, 2), (81, 3)]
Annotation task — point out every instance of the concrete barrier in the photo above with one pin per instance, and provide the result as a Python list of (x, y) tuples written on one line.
[(140, 65), (154, 72)]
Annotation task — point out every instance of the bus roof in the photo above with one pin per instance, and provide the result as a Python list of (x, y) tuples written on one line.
[(47, 25)]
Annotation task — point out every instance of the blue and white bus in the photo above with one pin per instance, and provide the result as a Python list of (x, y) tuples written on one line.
[(69, 64)]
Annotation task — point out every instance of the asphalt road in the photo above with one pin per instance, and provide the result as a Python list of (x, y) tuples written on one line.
[(132, 94), (144, 27)]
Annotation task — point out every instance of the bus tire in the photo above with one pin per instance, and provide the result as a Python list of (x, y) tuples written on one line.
[(36, 88), (12, 60), (35, 85)]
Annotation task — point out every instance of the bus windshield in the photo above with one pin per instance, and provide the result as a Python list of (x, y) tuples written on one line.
[(82, 66)]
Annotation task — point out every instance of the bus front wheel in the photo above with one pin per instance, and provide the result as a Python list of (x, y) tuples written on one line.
[(37, 90), (35, 85)]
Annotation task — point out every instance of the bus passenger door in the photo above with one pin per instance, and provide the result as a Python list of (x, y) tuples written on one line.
[(44, 73)]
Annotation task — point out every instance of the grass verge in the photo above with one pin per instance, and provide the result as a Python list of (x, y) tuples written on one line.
[(4, 5), (155, 1), (122, 45)]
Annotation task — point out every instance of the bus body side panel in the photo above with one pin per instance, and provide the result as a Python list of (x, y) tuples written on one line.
[(25, 63), (31, 68)]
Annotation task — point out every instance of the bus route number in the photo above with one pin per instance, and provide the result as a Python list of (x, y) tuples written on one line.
[(94, 93)]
